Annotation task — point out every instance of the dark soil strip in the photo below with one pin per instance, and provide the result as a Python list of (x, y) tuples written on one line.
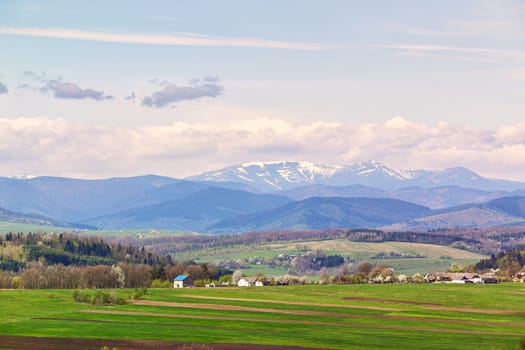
[(32, 343), (269, 320), (150, 324), (294, 303), (203, 317), (475, 311), (440, 307), (233, 308), (393, 301)]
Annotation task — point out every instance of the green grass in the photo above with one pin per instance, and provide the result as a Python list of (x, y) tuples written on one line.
[(359, 251), (387, 319), (6, 227)]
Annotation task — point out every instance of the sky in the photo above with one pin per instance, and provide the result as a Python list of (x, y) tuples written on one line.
[(100, 89)]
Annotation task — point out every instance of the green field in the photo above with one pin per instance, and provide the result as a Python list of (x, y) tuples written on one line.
[(6, 227), (417, 316), (437, 258)]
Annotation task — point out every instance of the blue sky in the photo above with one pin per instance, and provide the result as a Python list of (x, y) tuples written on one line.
[(98, 89)]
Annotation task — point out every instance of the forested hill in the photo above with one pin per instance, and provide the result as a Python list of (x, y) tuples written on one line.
[(510, 263), (19, 250), (22, 218)]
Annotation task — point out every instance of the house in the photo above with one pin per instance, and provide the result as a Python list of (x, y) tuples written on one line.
[(461, 277), (182, 281), (250, 282)]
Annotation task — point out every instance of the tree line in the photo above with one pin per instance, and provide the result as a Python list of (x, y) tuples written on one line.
[(39, 260)]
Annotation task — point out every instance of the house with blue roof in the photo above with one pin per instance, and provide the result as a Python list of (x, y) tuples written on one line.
[(182, 281)]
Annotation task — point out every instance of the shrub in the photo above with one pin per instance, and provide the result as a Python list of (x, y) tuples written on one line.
[(139, 293), (157, 283), (99, 298), (80, 297)]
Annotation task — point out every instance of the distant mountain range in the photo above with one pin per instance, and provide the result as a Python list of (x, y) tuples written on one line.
[(506, 211), (194, 212), (255, 196), (319, 213), (284, 175)]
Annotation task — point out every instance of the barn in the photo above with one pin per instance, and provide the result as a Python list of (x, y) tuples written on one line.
[(182, 281)]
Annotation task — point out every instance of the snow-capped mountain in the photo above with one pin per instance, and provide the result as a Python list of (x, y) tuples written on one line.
[(284, 175), (273, 175)]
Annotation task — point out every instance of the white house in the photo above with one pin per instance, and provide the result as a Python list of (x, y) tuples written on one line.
[(461, 277), (250, 282)]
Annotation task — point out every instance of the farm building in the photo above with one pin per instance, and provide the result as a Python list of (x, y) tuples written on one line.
[(520, 277), (250, 282), (182, 281), (461, 277)]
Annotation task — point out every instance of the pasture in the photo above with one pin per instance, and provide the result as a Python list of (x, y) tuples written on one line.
[(6, 227), (436, 257), (417, 316)]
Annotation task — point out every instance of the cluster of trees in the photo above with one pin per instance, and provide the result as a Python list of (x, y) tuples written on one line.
[(98, 298), (414, 237), (508, 263), (174, 244), (121, 275), (472, 239), (314, 261), (16, 250), (396, 255), (38, 260), (364, 272)]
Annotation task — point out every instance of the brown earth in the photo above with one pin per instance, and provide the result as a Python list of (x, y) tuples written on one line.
[(296, 303), (41, 343), (377, 300), (234, 308), (203, 317), (269, 320), (475, 311), (428, 306)]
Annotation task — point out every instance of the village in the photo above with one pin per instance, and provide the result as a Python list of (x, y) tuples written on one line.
[(184, 281)]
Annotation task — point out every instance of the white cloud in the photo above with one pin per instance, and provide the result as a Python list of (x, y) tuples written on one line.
[(45, 146), (163, 40), (476, 54)]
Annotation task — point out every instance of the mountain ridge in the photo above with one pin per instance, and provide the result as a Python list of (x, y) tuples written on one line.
[(285, 175)]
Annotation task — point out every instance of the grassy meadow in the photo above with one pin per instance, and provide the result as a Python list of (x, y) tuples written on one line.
[(417, 316), (6, 227), (436, 257)]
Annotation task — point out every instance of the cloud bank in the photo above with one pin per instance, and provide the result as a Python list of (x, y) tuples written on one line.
[(43, 146), (170, 93)]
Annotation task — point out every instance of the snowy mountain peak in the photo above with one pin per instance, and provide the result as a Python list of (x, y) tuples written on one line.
[(373, 167), (284, 175), (22, 176), (275, 175)]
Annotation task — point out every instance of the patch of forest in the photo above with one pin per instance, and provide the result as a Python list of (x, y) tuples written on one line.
[(485, 241), (509, 264), (41, 260)]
